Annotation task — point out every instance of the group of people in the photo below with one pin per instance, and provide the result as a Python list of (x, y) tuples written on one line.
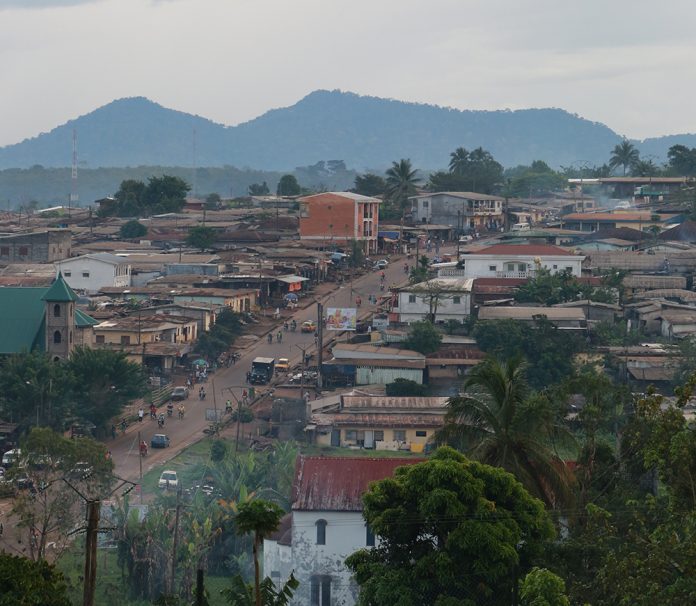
[(279, 337)]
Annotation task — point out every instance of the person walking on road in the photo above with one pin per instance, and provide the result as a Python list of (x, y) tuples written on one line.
[(141, 414), (279, 337)]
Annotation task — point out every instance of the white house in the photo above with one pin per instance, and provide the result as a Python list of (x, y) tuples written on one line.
[(519, 261), (90, 273), (325, 526), (448, 298)]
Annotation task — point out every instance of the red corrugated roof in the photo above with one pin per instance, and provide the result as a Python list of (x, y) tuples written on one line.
[(338, 483), (523, 249)]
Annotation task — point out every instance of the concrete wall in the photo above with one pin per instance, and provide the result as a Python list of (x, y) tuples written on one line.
[(90, 275), (382, 376), (447, 308), (441, 209), (37, 247), (491, 266), (389, 434)]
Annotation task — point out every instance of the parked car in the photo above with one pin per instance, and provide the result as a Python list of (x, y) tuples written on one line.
[(180, 393), (308, 326), (282, 365), (11, 457), (81, 470), (168, 479), (159, 440), (381, 264)]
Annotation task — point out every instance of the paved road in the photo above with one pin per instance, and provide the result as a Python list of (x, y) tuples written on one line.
[(124, 448)]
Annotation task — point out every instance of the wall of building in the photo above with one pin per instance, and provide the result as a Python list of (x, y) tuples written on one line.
[(492, 266), (382, 376), (37, 247), (443, 209), (90, 275), (345, 534), (353, 436), (447, 309), (60, 328)]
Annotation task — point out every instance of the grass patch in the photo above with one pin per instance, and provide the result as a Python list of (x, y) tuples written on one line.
[(185, 465)]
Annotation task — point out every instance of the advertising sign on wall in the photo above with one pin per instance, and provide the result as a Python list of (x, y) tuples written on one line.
[(341, 318)]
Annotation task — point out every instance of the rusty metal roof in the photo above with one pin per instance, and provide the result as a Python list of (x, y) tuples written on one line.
[(338, 483)]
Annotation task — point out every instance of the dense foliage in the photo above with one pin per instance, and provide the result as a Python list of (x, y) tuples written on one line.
[(27, 583), (165, 194), (452, 532), (423, 337)]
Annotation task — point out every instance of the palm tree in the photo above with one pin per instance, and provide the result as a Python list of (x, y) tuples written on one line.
[(499, 421), (401, 181), (459, 161), (625, 155)]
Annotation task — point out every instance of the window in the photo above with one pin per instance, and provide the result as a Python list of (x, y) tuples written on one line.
[(85, 274), (555, 266), (379, 436), (321, 532), (510, 267), (426, 203), (125, 339), (5, 251), (351, 435), (492, 268), (456, 300), (421, 433), (570, 269), (100, 339), (320, 591), (369, 536), (57, 337), (23, 251), (522, 267), (400, 435), (56, 311), (67, 273), (411, 298)]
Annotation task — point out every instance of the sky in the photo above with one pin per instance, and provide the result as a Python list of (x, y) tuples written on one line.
[(626, 63)]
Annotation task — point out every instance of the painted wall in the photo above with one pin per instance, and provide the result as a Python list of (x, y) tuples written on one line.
[(492, 266), (83, 273)]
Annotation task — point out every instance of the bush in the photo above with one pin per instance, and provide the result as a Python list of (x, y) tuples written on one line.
[(133, 229), (218, 450), (406, 387), (246, 416)]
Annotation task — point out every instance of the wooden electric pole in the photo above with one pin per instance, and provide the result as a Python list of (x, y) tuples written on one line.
[(175, 543), (320, 343), (93, 508)]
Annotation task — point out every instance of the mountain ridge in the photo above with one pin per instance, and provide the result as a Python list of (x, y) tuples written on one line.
[(364, 131)]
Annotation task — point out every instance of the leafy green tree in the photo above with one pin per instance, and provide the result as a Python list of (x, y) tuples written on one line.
[(132, 229), (469, 526), (35, 390), (357, 254), (165, 194), (459, 161), (542, 587), (536, 179), (129, 199), (474, 171), (27, 583), (499, 423), (548, 350), (423, 337), (105, 381), (288, 186), (402, 181), (260, 518), (406, 387), (682, 160), (201, 237), (625, 155), (213, 201), (259, 189), (370, 184), (548, 288)]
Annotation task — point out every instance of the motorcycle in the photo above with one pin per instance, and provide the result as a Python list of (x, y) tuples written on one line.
[(160, 421)]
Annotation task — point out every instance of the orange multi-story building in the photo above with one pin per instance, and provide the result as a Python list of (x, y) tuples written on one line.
[(339, 217)]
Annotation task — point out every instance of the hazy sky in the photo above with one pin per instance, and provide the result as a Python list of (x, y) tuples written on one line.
[(627, 63)]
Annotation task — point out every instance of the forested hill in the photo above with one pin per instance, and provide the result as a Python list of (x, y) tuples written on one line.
[(365, 132)]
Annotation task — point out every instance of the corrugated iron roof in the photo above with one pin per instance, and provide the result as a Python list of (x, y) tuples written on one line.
[(338, 483)]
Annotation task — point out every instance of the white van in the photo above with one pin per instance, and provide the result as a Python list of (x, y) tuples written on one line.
[(11, 457), (520, 227)]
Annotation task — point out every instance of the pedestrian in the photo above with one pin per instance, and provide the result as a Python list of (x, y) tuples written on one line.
[(369, 329), (141, 414), (113, 431), (248, 376), (2, 529)]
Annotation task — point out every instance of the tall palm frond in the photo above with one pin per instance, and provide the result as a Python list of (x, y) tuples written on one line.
[(401, 181), (625, 155)]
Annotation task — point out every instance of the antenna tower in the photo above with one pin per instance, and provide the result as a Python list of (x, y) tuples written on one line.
[(73, 177), (195, 170)]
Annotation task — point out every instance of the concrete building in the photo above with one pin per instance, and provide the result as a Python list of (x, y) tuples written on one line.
[(369, 365), (340, 217), (461, 210), (561, 317), (36, 247), (518, 261), (445, 298), (325, 526), (90, 273), (379, 422)]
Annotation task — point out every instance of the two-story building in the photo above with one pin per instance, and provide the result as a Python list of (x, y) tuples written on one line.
[(441, 299), (35, 247), (462, 210), (519, 261), (90, 273), (325, 526), (338, 218)]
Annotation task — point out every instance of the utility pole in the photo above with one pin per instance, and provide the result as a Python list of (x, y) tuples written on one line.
[(141, 468), (320, 343), (93, 507), (239, 421), (199, 587), (175, 543)]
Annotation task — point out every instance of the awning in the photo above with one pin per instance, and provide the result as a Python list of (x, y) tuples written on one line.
[(310, 427), (291, 279)]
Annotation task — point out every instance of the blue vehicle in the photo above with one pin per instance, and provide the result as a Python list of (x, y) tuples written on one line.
[(159, 440)]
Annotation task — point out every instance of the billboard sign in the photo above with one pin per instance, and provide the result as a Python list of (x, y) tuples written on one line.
[(341, 318)]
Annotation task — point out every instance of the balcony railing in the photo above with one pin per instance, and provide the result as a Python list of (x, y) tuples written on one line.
[(515, 274)]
